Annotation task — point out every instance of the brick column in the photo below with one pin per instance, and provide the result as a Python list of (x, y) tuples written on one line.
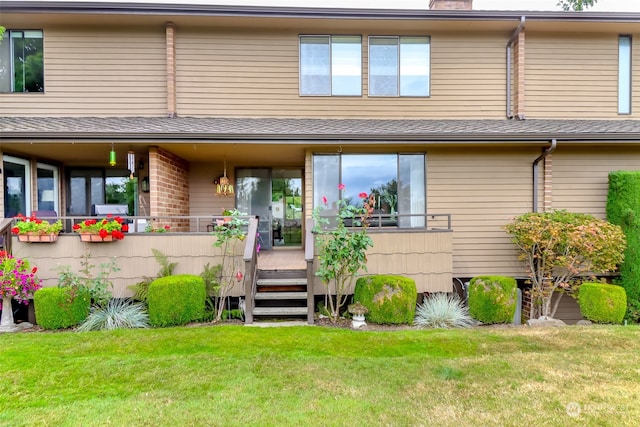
[(519, 77), (170, 31), (169, 185)]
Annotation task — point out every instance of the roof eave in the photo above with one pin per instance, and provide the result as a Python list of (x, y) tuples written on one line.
[(306, 12), (432, 138)]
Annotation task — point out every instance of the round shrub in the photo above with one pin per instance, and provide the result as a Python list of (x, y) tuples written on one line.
[(602, 303), (492, 299), (176, 300), (58, 308), (389, 299)]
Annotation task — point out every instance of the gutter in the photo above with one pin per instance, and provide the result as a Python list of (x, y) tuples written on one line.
[(513, 38), (542, 156)]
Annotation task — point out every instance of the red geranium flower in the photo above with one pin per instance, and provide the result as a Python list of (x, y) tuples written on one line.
[(103, 233)]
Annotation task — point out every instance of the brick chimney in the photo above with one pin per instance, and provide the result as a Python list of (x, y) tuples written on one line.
[(451, 4)]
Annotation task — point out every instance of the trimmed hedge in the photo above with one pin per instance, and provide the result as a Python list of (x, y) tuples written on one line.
[(602, 303), (176, 300), (623, 209), (493, 299), (389, 299), (58, 308)]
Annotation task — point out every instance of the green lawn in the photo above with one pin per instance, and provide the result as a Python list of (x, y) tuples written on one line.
[(235, 375)]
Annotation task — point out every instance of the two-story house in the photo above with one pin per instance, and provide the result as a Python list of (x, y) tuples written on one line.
[(456, 119)]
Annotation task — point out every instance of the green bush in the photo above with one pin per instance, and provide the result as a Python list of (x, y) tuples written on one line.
[(176, 300), (389, 299), (623, 209), (492, 299), (602, 303), (58, 308)]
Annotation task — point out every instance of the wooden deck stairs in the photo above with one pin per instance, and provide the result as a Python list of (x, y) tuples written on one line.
[(281, 294)]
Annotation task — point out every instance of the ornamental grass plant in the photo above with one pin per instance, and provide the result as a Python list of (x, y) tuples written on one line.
[(443, 311)]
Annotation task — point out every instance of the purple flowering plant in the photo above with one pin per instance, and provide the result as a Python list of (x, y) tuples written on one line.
[(17, 278)]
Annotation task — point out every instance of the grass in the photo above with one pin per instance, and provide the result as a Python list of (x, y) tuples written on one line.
[(235, 375)]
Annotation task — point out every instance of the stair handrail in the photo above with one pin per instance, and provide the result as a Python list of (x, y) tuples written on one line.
[(250, 257), (309, 249)]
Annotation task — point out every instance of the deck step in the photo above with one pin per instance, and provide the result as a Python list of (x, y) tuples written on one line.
[(279, 311), (280, 295), (283, 282)]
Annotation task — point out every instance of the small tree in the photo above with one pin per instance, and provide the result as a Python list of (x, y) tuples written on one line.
[(342, 251), (558, 247), (230, 233)]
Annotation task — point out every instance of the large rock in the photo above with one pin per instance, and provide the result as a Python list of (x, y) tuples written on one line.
[(545, 322)]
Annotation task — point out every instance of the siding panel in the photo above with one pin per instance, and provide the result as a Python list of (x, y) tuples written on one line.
[(483, 189), (241, 74), (581, 176), (573, 76), (105, 71)]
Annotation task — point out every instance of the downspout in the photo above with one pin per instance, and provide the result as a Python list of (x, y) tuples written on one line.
[(542, 156), (514, 36)]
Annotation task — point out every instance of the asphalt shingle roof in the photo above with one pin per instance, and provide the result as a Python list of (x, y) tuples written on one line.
[(276, 128)]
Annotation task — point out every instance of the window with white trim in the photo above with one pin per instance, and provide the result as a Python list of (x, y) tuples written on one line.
[(331, 65), (399, 66), (624, 75), (21, 61)]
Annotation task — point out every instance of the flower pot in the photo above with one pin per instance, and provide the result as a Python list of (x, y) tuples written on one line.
[(36, 237), (6, 321), (93, 237)]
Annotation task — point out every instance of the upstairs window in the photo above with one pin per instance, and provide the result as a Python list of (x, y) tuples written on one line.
[(21, 61), (331, 65), (624, 75), (399, 66)]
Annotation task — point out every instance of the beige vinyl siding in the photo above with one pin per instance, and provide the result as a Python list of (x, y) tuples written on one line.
[(573, 76), (133, 256), (424, 257), (483, 189), (581, 176), (109, 71), (242, 74)]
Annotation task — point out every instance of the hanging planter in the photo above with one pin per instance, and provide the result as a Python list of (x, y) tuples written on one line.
[(38, 238), (32, 229), (94, 237), (101, 230)]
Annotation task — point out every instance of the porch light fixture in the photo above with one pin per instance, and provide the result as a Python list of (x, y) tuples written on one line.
[(223, 187), (145, 184), (131, 163), (112, 155)]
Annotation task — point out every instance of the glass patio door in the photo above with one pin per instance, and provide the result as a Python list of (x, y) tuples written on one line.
[(253, 197), (275, 196), (17, 188)]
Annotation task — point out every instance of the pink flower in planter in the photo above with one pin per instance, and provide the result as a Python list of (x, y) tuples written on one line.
[(340, 186)]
